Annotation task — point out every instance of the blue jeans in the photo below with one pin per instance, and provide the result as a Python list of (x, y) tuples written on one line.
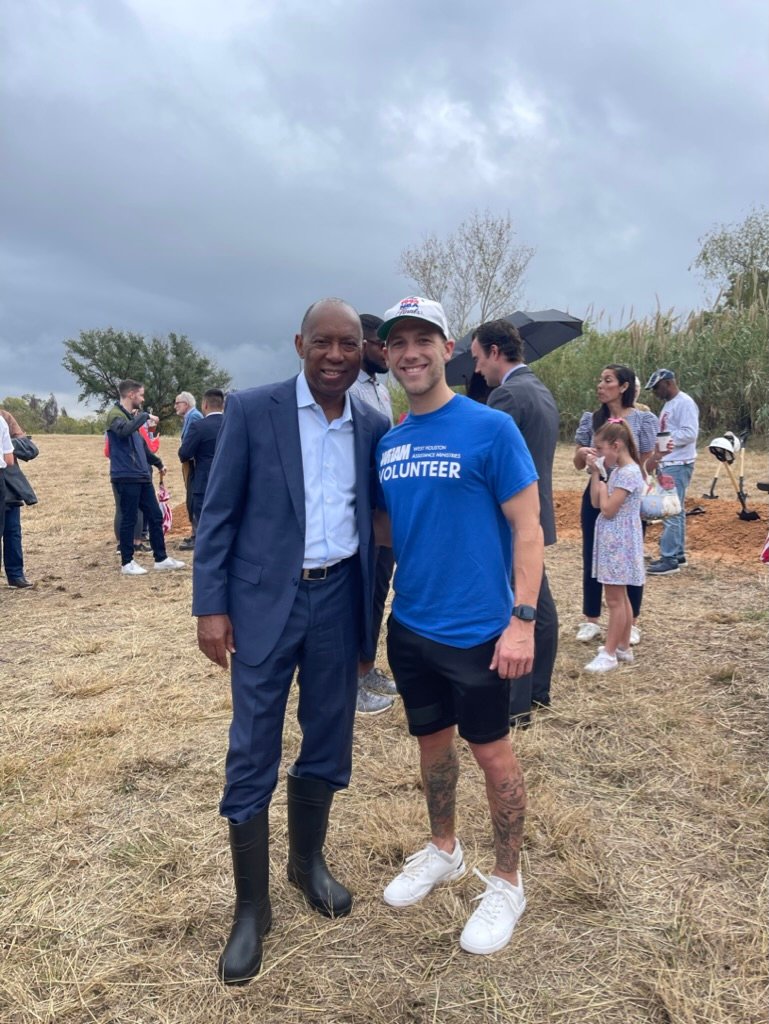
[(13, 559), (673, 538)]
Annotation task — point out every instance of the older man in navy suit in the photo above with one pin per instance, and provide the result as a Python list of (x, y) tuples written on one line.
[(283, 579)]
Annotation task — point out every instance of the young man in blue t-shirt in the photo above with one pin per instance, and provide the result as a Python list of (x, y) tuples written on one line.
[(457, 480)]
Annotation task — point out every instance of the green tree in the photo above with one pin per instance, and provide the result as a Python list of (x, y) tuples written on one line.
[(736, 258), (476, 273), (100, 359), (28, 418)]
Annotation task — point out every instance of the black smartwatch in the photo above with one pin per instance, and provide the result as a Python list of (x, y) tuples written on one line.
[(525, 612)]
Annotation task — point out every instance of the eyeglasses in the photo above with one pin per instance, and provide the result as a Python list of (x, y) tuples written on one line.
[(376, 341)]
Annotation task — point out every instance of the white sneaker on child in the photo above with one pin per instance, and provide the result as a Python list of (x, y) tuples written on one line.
[(625, 656), (602, 662)]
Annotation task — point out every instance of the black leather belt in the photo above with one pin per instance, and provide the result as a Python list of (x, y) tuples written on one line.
[(323, 571)]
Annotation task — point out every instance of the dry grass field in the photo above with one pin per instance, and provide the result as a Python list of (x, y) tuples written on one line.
[(645, 842)]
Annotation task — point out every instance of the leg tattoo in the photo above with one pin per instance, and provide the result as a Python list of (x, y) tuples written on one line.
[(439, 777), (507, 801)]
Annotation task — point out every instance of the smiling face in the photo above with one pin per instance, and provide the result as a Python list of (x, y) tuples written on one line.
[(417, 353), (331, 346)]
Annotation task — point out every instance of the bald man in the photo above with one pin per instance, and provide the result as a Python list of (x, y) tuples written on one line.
[(283, 580)]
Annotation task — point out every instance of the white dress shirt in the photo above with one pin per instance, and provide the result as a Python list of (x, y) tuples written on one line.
[(328, 466), (369, 389)]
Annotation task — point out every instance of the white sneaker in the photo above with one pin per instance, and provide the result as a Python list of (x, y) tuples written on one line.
[(635, 636), (169, 563), (602, 662), (588, 631), (627, 657), (490, 927), (421, 872), (133, 569)]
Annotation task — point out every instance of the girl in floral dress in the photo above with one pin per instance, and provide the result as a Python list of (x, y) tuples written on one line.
[(618, 546)]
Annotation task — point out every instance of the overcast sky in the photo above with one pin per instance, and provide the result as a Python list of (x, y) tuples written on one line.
[(213, 166)]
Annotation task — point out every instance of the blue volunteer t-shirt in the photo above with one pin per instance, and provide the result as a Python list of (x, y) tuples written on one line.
[(442, 478)]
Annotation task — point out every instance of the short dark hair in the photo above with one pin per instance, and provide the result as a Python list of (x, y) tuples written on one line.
[(370, 323), (214, 397), (125, 387), (342, 303), (502, 334)]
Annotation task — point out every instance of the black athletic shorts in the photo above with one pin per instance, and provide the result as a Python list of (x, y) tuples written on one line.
[(443, 686)]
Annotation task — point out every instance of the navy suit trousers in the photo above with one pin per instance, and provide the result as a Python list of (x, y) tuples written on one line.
[(535, 685), (321, 639)]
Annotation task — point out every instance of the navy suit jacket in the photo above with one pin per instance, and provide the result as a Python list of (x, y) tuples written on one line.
[(524, 397), (199, 446), (249, 546)]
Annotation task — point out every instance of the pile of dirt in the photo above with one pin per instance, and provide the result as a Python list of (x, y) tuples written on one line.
[(717, 534), (180, 525)]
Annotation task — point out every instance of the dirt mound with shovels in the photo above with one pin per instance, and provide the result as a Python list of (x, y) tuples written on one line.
[(714, 534)]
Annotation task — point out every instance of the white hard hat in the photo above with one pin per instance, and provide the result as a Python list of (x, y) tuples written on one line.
[(722, 448), (736, 443)]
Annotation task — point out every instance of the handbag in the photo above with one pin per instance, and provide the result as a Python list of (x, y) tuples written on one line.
[(24, 448), (17, 488), (660, 498)]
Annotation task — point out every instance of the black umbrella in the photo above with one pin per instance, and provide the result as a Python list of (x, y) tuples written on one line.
[(542, 332)]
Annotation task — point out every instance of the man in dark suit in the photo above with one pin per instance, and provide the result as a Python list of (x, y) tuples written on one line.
[(497, 348), (198, 447), (283, 579)]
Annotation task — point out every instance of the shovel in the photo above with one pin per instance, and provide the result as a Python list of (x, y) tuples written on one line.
[(711, 494), (744, 512)]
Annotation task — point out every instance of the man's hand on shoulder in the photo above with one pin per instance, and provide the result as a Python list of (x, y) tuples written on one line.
[(215, 638)]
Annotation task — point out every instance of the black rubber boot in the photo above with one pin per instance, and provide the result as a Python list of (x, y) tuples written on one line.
[(250, 846), (309, 803)]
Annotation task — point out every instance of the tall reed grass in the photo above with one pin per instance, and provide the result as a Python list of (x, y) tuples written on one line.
[(720, 358)]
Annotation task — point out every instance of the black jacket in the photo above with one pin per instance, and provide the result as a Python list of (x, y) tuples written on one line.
[(199, 446)]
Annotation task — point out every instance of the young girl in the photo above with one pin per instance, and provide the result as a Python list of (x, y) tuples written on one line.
[(618, 547)]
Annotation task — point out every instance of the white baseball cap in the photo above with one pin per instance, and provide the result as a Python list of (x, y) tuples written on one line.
[(417, 307)]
